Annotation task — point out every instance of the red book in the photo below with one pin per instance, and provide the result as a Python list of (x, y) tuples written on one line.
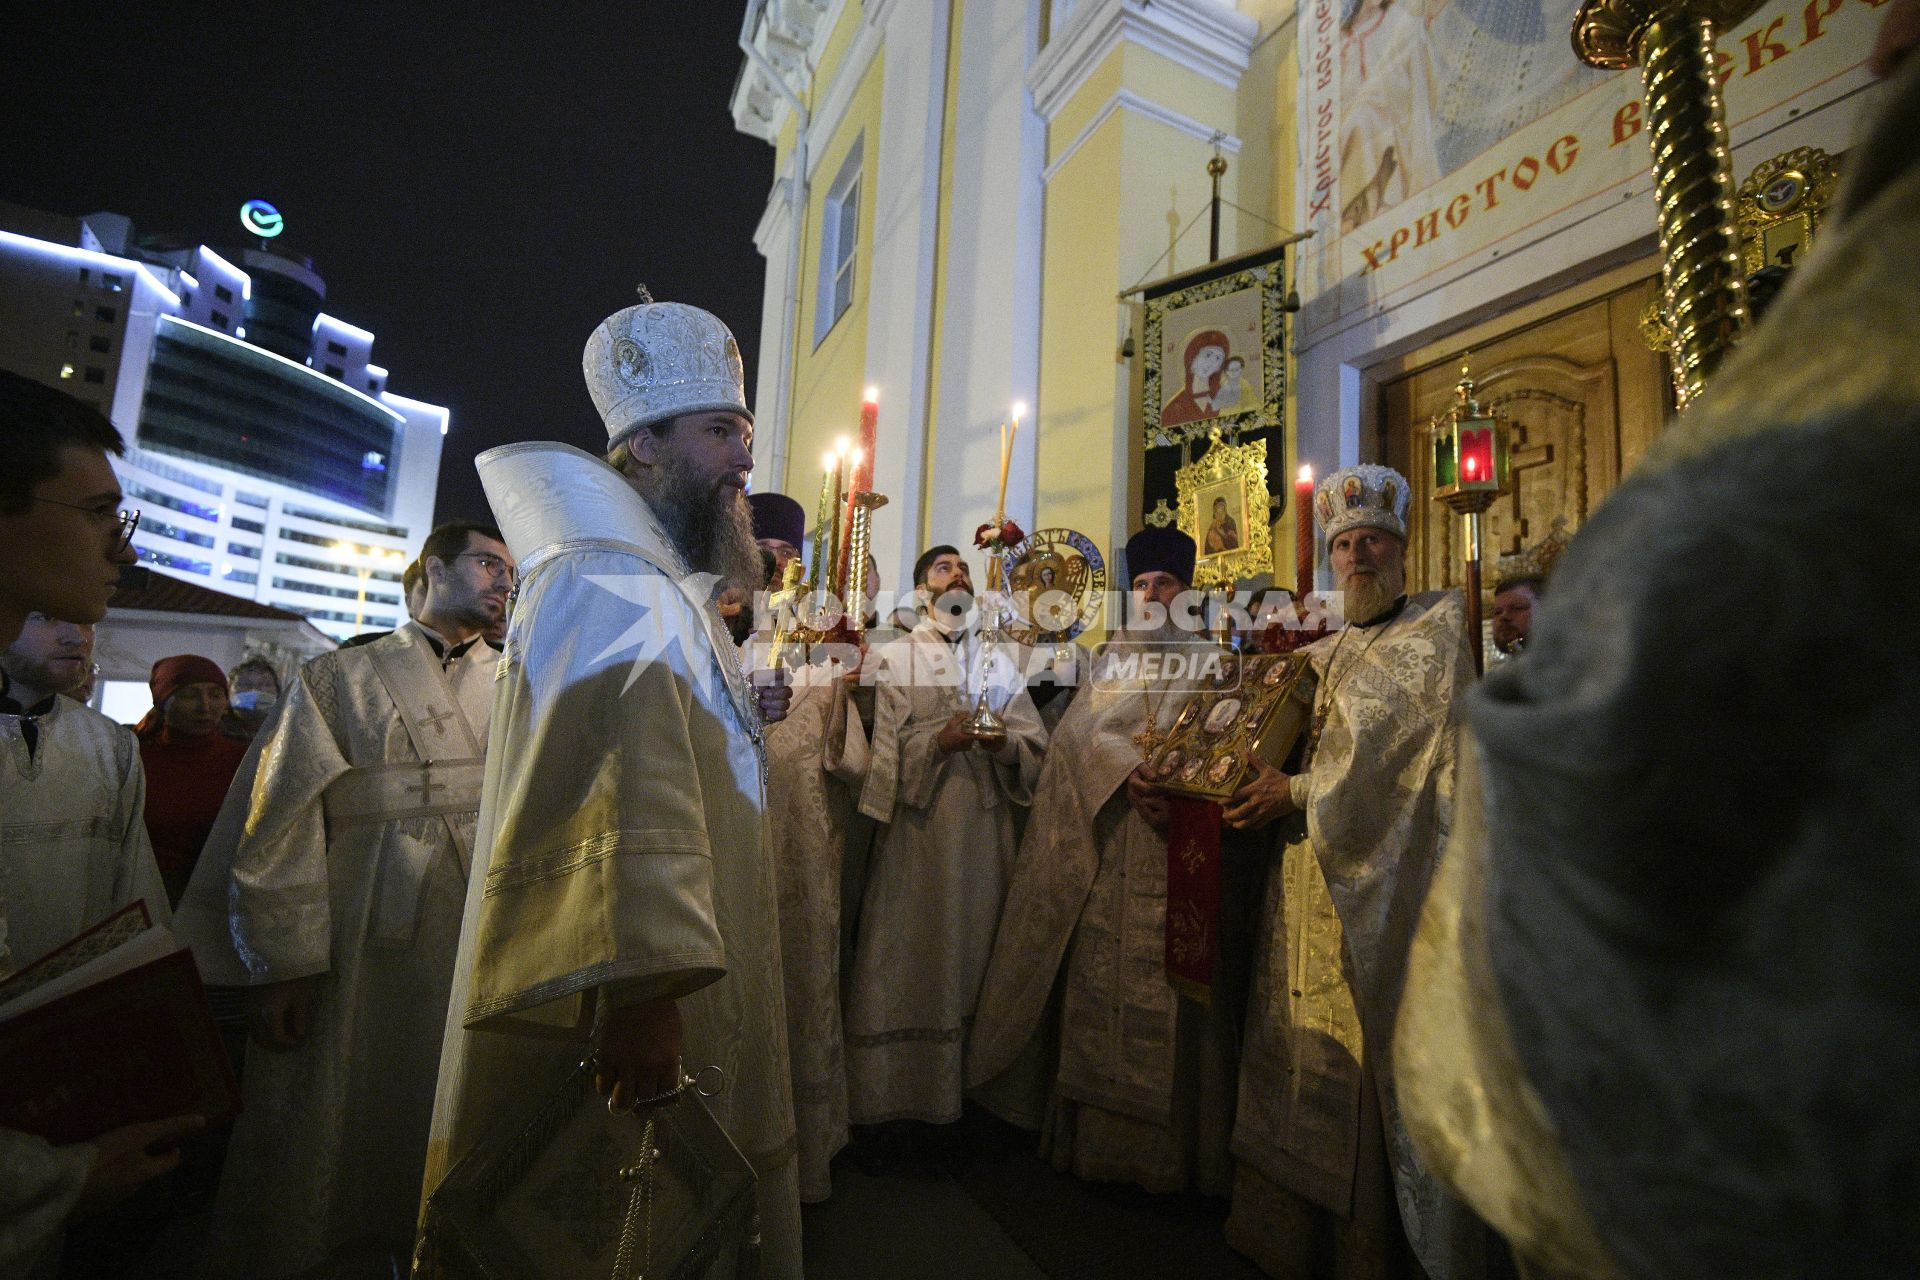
[(137, 1042)]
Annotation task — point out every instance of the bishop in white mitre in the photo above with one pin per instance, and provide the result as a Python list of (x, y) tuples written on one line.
[(940, 866), (338, 905), (623, 900)]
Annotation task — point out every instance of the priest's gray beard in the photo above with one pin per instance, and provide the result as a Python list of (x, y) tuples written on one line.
[(1369, 594), (710, 525)]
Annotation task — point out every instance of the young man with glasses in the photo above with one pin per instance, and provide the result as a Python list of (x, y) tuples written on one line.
[(73, 847), (340, 871)]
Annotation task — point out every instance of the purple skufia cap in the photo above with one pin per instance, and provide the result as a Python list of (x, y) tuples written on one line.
[(1165, 550), (778, 517)]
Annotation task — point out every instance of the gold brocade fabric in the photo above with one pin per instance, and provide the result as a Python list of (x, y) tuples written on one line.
[(1379, 804)]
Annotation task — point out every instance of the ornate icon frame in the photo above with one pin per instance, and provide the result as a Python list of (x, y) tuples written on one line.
[(1264, 270), (1224, 463), (1791, 191)]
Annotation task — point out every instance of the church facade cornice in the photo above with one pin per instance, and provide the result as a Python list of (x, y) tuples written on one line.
[(1205, 36), (792, 35)]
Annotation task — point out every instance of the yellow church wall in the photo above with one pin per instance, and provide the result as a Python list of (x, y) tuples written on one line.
[(1114, 207), (942, 255), (1079, 374), (828, 379)]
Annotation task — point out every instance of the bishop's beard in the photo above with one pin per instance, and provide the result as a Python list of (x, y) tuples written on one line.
[(709, 524)]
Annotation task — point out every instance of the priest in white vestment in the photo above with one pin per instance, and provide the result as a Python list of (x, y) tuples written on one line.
[(623, 901), (1322, 1149), (73, 845), (941, 863), (1135, 1082), (340, 909)]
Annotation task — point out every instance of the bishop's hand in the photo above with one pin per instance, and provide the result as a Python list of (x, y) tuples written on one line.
[(639, 1055)]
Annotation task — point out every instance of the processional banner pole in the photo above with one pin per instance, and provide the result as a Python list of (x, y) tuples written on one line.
[(1702, 276)]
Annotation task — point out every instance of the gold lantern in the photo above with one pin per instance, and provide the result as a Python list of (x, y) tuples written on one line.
[(1472, 462)]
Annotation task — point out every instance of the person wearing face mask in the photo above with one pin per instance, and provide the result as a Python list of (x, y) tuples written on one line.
[(253, 690), (189, 762)]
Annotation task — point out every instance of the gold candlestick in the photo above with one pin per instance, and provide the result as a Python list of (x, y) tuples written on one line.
[(1671, 41), (859, 538)]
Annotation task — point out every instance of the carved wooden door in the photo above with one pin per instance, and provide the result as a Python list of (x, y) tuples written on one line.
[(1583, 396)]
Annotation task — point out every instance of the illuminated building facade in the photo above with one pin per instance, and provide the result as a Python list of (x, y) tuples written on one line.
[(266, 455)]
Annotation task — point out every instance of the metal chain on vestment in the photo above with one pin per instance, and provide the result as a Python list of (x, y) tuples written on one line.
[(1323, 696)]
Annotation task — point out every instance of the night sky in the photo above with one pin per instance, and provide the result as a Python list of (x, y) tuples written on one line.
[(478, 184)]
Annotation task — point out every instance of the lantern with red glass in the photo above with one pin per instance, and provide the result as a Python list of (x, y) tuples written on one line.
[(1471, 463)]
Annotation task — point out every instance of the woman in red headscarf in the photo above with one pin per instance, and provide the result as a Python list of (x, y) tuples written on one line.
[(1206, 358), (189, 762)]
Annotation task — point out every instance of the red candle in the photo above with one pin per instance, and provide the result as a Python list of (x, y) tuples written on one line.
[(1303, 536)]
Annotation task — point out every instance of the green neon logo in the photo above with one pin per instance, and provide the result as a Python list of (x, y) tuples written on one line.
[(261, 219)]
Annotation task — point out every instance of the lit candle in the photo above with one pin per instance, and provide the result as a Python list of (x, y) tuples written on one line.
[(869, 426), (823, 522), (1303, 536), (1008, 431)]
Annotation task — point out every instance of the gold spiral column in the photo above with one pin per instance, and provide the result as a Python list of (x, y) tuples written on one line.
[(1703, 280)]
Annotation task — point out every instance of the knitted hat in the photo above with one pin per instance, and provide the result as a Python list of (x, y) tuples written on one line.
[(170, 675)]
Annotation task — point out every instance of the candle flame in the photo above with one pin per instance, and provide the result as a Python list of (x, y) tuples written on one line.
[(873, 395), (841, 445), (854, 457), (1306, 474), (829, 461), (1019, 410)]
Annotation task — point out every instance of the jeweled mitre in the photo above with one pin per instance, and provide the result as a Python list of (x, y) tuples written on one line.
[(659, 360), (1367, 494)]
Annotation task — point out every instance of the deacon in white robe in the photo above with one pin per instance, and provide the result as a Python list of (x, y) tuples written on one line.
[(625, 874), (340, 908), (940, 866), (1324, 1155), (1140, 1087)]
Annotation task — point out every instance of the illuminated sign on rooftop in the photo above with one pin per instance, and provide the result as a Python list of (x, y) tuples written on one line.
[(261, 219)]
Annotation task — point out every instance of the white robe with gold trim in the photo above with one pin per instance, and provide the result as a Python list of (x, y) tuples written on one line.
[(623, 836), (351, 863), (937, 878)]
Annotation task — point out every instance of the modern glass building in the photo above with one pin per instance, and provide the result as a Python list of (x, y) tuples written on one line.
[(268, 458)]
